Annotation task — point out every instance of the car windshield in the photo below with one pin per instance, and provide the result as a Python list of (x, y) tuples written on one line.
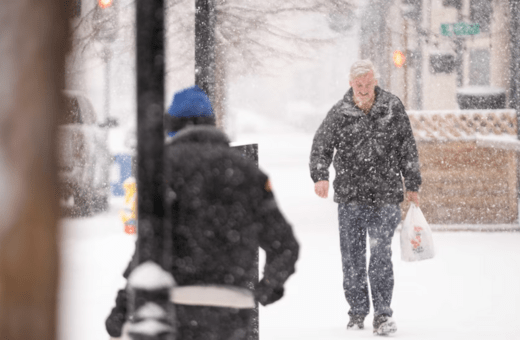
[(72, 114)]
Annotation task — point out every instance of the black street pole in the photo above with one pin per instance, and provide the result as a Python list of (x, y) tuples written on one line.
[(514, 68), (417, 58), (144, 292), (250, 151), (459, 51), (514, 71), (107, 57), (150, 135), (205, 65), (205, 47)]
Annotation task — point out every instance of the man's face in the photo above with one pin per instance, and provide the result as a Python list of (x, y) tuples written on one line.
[(364, 87)]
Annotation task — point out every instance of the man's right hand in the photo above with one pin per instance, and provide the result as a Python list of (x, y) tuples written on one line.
[(321, 188)]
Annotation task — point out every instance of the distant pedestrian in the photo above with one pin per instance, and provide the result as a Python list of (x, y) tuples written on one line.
[(223, 211), (368, 136)]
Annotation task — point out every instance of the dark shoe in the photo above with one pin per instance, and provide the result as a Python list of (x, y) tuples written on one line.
[(384, 325), (356, 322)]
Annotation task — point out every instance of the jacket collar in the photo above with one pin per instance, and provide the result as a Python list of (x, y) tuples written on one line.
[(200, 134), (348, 102)]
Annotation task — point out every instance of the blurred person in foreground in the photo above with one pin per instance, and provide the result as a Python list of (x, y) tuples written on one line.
[(223, 211), (368, 136)]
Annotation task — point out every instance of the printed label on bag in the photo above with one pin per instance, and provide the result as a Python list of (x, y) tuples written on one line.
[(416, 241)]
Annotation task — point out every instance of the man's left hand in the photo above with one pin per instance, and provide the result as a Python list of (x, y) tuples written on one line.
[(266, 294), (413, 196)]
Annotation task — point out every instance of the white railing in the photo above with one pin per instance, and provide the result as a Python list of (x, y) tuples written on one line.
[(463, 124)]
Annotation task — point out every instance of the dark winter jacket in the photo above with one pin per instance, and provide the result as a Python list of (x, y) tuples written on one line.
[(223, 211), (372, 151)]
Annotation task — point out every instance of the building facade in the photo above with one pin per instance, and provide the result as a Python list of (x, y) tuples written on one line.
[(454, 49)]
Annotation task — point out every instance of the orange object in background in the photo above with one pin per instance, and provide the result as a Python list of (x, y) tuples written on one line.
[(130, 229), (105, 3), (399, 58), (129, 213)]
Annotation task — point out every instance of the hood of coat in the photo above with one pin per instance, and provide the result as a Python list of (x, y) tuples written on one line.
[(200, 134)]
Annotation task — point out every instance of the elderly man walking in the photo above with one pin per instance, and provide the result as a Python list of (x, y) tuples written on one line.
[(374, 147)]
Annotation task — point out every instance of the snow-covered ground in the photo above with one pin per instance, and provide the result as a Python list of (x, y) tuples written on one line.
[(470, 290)]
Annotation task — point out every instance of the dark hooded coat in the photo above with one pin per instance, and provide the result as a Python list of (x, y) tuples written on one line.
[(223, 210), (371, 152)]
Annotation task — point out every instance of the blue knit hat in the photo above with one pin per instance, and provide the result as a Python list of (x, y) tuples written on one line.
[(190, 106)]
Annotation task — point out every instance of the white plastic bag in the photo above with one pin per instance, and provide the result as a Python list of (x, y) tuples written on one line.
[(416, 237)]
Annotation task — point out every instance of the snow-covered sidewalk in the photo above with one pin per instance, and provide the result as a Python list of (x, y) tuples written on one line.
[(470, 290)]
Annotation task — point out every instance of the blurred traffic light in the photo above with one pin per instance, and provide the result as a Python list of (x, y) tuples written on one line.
[(106, 20), (105, 3), (399, 58)]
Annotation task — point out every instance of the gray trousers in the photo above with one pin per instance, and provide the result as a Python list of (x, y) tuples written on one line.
[(355, 220)]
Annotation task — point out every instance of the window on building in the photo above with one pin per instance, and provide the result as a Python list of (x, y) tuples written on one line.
[(479, 67), (452, 3), (412, 9), (480, 12), (442, 63)]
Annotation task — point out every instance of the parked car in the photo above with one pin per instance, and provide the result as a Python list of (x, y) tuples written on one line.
[(84, 157)]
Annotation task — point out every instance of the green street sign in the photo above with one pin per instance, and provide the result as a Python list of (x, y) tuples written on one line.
[(459, 28)]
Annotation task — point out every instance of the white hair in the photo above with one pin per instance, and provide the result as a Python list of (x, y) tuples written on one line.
[(360, 68)]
